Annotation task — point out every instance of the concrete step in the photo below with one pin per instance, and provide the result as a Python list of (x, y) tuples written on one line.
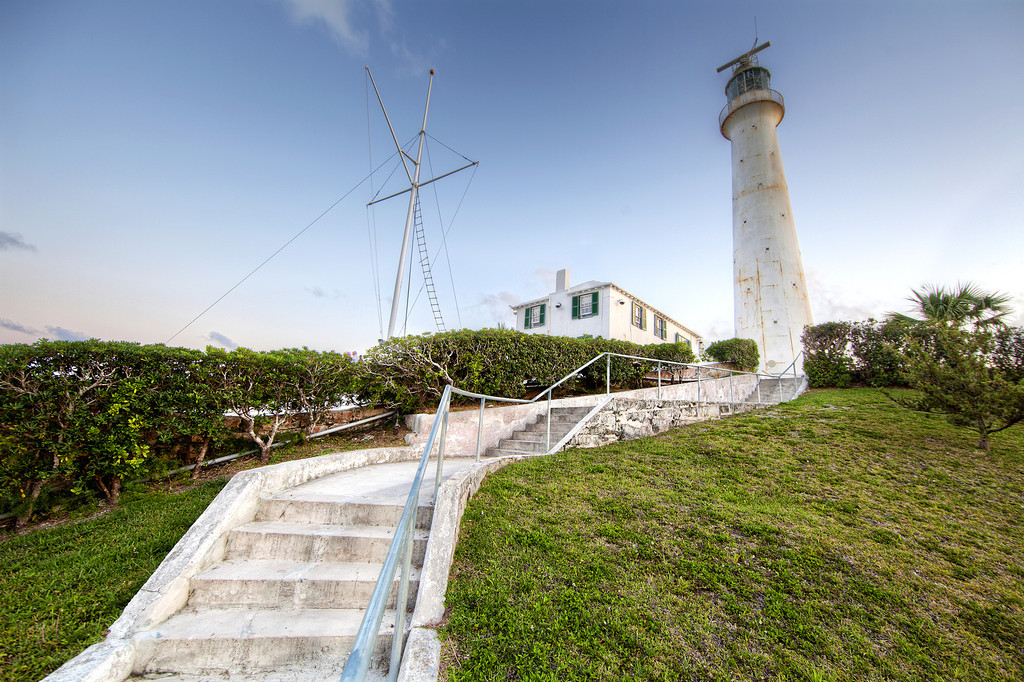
[(317, 542), (292, 584), (540, 431), (770, 391), (533, 438), (566, 417), (519, 443), (294, 510), (254, 640), (501, 452), (578, 410), (280, 674)]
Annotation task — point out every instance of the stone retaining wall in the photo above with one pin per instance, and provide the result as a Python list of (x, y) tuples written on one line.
[(502, 422), (629, 419)]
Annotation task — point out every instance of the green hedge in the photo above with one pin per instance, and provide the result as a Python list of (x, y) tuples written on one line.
[(410, 373), (838, 354), (85, 416), (741, 353)]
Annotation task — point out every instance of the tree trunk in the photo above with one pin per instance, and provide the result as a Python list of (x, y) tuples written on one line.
[(983, 432), (112, 492), (265, 449), (34, 488), (200, 457)]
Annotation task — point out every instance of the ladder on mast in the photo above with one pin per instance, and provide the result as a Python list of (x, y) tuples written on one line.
[(428, 278), (414, 212)]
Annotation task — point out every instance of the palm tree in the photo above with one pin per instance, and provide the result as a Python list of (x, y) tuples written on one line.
[(963, 305)]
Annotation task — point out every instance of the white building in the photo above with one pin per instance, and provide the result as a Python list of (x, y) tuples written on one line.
[(600, 309)]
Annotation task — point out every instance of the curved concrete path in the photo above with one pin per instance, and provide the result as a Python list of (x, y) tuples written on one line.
[(272, 581)]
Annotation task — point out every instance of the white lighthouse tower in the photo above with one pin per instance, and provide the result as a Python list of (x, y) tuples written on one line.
[(771, 305)]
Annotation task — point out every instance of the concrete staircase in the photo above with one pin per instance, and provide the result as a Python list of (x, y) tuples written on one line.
[(532, 440), (288, 598), (773, 392)]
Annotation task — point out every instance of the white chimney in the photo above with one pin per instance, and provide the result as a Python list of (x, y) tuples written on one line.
[(561, 280)]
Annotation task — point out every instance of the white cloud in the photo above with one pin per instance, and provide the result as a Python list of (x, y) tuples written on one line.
[(222, 340), (62, 334), (497, 307), (320, 292), (547, 276), (831, 302), (16, 327), (14, 240), (337, 16), (50, 331)]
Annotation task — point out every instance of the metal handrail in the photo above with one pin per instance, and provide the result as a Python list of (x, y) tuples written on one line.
[(358, 662), (400, 551)]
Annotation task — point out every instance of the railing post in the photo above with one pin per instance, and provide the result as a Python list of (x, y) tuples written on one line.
[(698, 390), (400, 605), (547, 446), (440, 449), (794, 377), (479, 429), (608, 375), (732, 393), (659, 381), (758, 388), (780, 389)]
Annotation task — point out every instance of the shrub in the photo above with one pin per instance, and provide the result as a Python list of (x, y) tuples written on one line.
[(841, 353), (958, 374), (826, 354), (410, 373), (87, 415), (741, 353), (878, 350)]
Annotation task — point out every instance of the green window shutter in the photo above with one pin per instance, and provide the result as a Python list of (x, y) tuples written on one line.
[(643, 318), (593, 303), (575, 307), (542, 310), (526, 322)]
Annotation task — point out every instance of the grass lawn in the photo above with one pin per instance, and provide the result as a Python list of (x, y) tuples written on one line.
[(62, 585), (838, 537)]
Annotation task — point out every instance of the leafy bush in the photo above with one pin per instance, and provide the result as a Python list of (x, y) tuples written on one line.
[(878, 352), (827, 360), (741, 353), (1008, 353), (410, 373), (84, 416), (842, 353), (967, 377)]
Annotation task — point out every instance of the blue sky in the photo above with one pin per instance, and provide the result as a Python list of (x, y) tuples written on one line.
[(153, 153)]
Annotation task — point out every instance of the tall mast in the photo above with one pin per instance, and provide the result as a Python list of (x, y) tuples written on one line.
[(414, 188), (414, 182)]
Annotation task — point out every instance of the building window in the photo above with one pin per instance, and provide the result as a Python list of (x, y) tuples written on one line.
[(681, 339), (659, 327), (584, 305), (639, 316), (535, 316)]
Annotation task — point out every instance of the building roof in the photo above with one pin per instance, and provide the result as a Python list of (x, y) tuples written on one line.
[(593, 284)]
